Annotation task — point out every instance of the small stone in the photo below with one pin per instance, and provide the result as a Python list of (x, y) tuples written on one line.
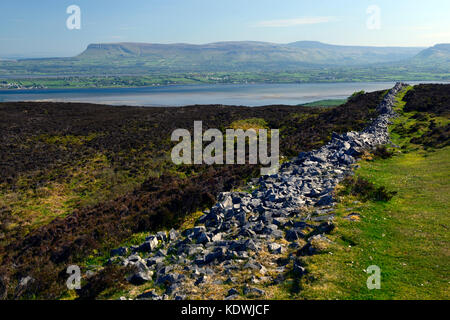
[(231, 280), (253, 292), (294, 234), (203, 238), (168, 279), (149, 245), (298, 269), (173, 235), (122, 251), (217, 237), (325, 201), (140, 277), (201, 279), (249, 245), (326, 227), (280, 222), (162, 236), (149, 295), (134, 258), (154, 260), (275, 248), (232, 292)]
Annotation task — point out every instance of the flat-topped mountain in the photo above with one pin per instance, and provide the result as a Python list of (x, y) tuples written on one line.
[(248, 54)]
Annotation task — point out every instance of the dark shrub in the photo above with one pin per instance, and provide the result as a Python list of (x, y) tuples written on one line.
[(436, 137), (365, 190), (430, 98), (3, 288), (382, 152), (112, 277)]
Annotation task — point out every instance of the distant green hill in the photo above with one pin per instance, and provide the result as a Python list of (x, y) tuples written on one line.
[(439, 54), (248, 54)]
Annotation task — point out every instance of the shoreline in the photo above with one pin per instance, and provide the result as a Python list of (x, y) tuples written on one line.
[(159, 85), (252, 95)]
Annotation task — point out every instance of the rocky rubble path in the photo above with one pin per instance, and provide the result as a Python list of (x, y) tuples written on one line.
[(242, 243)]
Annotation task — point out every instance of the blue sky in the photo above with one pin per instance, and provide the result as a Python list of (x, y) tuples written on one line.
[(38, 28)]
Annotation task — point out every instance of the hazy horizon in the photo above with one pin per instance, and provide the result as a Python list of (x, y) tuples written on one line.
[(21, 56)]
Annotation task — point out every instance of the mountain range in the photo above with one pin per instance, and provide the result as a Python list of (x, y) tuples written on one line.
[(242, 56), (248, 54)]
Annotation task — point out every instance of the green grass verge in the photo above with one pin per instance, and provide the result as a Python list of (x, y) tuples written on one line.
[(407, 237)]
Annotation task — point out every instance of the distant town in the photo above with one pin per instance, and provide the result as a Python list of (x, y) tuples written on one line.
[(15, 85)]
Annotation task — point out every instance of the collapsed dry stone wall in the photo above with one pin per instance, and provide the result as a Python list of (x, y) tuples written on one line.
[(231, 236)]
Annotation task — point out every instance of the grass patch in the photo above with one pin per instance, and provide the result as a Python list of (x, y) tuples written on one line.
[(190, 220), (326, 103), (252, 123), (67, 139), (407, 237)]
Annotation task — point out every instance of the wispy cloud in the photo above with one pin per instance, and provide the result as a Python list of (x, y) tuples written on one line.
[(282, 23)]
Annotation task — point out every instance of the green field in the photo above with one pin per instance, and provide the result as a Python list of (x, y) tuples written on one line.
[(63, 80)]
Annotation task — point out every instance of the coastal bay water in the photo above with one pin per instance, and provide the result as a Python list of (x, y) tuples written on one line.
[(181, 95)]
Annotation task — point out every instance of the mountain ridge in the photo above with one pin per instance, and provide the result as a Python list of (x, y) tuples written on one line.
[(300, 43), (248, 56), (300, 52)]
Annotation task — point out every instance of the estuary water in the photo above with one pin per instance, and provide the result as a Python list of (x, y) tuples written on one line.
[(181, 95)]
